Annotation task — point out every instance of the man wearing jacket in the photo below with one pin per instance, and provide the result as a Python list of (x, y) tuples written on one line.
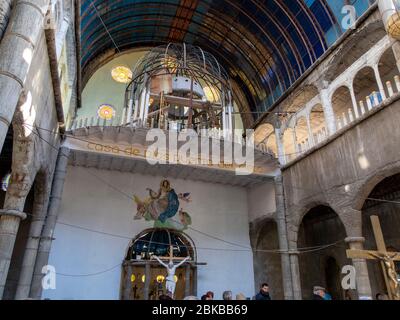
[(264, 292)]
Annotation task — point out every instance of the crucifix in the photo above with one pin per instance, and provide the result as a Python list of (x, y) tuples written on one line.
[(171, 268), (386, 259)]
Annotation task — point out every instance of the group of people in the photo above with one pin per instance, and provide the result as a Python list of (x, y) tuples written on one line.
[(263, 294)]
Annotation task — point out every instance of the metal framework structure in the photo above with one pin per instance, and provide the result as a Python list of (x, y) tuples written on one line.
[(264, 45), (177, 87)]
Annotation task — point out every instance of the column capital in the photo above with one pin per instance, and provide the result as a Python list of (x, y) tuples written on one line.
[(354, 240), (13, 213)]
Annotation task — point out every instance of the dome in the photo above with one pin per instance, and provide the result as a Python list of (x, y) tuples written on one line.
[(158, 241)]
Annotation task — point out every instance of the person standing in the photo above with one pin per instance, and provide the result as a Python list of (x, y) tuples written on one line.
[(227, 295), (264, 292)]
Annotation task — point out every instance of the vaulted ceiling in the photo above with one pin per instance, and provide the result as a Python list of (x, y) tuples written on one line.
[(265, 45)]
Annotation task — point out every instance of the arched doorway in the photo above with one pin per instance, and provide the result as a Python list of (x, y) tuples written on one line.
[(322, 233), (267, 263), (143, 278), (387, 208)]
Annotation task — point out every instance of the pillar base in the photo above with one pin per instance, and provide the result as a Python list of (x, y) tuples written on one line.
[(13, 213)]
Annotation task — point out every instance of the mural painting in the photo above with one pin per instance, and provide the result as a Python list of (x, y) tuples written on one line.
[(164, 208)]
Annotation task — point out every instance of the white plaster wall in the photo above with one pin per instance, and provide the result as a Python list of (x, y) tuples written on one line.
[(261, 201), (217, 210)]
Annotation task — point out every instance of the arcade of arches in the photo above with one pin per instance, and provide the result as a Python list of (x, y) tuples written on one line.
[(84, 96)]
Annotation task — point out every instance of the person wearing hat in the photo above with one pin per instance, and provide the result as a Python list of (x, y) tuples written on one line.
[(318, 293)]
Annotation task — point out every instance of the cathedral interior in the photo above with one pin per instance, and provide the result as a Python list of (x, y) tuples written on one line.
[(309, 88)]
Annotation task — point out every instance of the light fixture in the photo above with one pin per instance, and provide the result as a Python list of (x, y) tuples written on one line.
[(121, 74), (160, 278), (133, 278), (106, 112), (143, 278)]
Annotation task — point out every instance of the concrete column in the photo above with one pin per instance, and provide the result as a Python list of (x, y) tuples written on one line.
[(5, 10), (147, 275), (389, 14), (16, 51), (354, 102), (362, 278), (128, 282), (187, 280), (279, 146), (51, 220), (10, 218), (40, 205), (311, 141), (328, 111), (283, 240), (396, 52), (295, 272), (380, 83), (296, 147)]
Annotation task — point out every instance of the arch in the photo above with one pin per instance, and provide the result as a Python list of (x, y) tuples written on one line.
[(387, 191), (364, 85), (388, 70), (370, 183), (318, 123), (342, 106), (267, 264), (320, 228), (135, 285), (263, 132), (265, 139), (297, 100)]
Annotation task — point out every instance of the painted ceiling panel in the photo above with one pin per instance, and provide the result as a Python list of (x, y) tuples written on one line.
[(265, 45)]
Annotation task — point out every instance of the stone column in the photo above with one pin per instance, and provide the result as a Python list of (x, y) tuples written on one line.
[(328, 111), (51, 220), (379, 82), (40, 205), (362, 278), (16, 51), (283, 240)]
